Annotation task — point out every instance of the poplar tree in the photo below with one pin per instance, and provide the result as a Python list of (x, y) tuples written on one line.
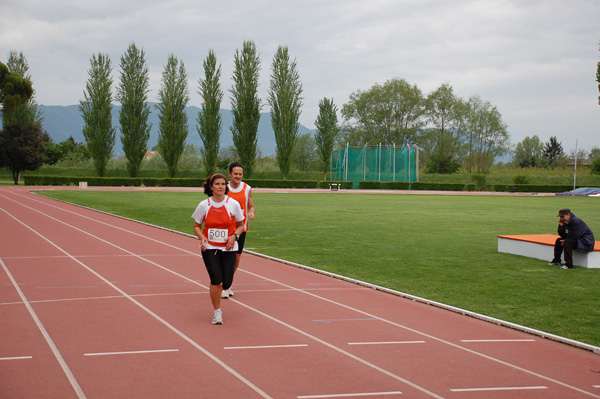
[(598, 78), (327, 131), (96, 110), (209, 118), (132, 93), (27, 111), (285, 99), (245, 105), (173, 129)]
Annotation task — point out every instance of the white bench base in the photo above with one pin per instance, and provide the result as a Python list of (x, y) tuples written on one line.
[(545, 252)]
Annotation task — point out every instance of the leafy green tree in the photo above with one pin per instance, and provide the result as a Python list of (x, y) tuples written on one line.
[(327, 132), (209, 118), (174, 97), (56, 152), (529, 152), (190, 158), (386, 114), (594, 153), (245, 105), (15, 90), (132, 93), (596, 167), (22, 147), (27, 111), (553, 151), (446, 114), (304, 155), (96, 110), (285, 99), (488, 134)]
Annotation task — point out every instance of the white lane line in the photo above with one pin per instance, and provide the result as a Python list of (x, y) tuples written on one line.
[(66, 287), (307, 292), (130, 352), (266, 346), (328, 321), (497, 389), (134, 301), (596, 386), (349, 395), (497, 340), (16, 358), (386, 343), (61, 361), (156, 285)]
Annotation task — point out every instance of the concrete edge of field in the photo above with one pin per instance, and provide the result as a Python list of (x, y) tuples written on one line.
[(500, 322)]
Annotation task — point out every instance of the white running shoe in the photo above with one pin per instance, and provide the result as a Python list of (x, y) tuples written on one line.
[(217, 317), (230, 291), (225, 294)]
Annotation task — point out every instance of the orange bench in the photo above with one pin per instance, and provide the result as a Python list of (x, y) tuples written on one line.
[(541, 246)]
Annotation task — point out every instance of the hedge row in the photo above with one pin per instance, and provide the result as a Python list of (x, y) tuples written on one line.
[(37, 180), (516, 188), (32, 180)]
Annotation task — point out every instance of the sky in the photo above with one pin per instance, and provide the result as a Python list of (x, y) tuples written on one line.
[(534, 60)]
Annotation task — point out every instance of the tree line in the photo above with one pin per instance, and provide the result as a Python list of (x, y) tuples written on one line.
[(284, 99)]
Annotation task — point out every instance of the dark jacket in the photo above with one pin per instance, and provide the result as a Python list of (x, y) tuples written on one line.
[(576, 229)]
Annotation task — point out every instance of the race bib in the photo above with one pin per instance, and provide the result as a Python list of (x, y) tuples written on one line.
[(217, 235)]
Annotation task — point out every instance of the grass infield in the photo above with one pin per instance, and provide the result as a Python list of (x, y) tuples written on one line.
[(440, 247)]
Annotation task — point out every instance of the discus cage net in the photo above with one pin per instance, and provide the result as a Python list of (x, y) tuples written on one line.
[(375, 163)]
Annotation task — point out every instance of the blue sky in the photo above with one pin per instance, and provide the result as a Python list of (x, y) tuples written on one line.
[(534, 60)]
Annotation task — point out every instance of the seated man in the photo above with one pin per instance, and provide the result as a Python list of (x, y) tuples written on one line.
[(574, 234)]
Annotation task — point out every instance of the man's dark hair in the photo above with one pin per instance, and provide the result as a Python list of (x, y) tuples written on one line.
[(564, 212), (235, 165)]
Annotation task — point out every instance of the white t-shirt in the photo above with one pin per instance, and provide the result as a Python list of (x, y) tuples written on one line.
[(232, 206)]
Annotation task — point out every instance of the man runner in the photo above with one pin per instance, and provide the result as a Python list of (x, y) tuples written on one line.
[(242, 193)]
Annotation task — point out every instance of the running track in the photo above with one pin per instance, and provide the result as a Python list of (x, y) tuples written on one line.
[(95, 306)]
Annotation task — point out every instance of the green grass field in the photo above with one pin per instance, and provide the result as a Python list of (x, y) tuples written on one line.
[(443, 248)]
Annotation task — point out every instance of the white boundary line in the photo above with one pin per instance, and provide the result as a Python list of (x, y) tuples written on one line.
[(386, 343), (63, 364), (498, 389), (349, 395), (265, 347), (130, 352), (497, 340), (16, 357), (340, 304)]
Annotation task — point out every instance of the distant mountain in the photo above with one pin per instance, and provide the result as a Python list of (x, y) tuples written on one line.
[(61, 122)]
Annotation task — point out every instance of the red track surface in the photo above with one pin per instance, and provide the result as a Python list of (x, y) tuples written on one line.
[(100, 307)]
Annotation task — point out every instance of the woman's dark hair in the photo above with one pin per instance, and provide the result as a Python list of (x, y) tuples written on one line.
[(210, 181)]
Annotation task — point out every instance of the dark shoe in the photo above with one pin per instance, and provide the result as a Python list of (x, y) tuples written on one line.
[(554, 263)]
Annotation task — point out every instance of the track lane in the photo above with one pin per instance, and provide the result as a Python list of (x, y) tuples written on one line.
[(270, 287)]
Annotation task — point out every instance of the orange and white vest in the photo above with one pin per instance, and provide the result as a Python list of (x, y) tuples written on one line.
[(241, 195), (219, 221)]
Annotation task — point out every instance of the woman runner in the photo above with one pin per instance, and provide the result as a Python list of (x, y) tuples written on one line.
[(223, 219)]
